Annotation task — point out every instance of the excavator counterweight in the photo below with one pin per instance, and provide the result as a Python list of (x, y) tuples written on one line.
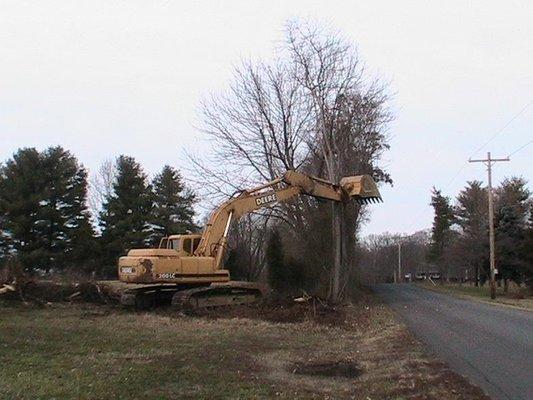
[(188, 268)]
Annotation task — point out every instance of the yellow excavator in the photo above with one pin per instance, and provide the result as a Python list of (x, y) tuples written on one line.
[(187, 269)]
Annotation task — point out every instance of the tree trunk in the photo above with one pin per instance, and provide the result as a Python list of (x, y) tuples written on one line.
[(334, 290), (505, 285)]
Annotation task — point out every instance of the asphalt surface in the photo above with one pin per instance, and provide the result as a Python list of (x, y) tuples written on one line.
[(490, 345)]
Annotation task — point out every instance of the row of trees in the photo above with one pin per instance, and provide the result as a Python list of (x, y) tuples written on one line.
[(45, 220), (457, 245), (460, 239), (378, 256), (312, 109)]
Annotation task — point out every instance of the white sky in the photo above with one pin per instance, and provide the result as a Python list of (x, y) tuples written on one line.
[(103, 78)]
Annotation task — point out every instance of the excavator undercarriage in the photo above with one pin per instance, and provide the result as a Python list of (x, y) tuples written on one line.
[(190, 297), (218, 295)]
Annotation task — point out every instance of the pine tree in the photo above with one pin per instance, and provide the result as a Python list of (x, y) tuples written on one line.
[(472, 217), (441, 230), (173, 204), (527, 250), (21, 186), (285, 273), (238, 262), (126, 215), (511, 225), (43, 199), (278, 274), (64, 208), (510, 234), (5, 245)]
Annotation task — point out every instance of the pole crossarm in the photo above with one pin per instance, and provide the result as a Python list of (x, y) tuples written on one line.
[(491, 160)]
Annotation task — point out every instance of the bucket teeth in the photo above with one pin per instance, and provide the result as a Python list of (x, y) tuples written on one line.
[(368, 200)]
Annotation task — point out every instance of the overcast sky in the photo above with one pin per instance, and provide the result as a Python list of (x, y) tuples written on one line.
[(103, 78)]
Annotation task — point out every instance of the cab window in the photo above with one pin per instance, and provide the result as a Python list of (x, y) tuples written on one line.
[(187, 245), (175, 244), (195, 244)]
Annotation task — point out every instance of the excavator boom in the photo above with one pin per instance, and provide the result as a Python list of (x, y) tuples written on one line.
[(361, 188)]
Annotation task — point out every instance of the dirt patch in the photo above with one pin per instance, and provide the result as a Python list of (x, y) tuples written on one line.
[(343, 369), (282, 311)]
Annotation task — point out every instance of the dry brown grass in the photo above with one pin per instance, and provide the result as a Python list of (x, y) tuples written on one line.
[(516, 297), (96, 352)]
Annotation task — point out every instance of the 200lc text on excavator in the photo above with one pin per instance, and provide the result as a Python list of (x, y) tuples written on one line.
[(187, 269)]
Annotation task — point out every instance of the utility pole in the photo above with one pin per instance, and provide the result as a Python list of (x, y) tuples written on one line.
[(488, 162)]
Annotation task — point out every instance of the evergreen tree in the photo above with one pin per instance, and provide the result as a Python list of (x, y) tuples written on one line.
[(125, 218), (64, 210), (21, 186), (43, 199), (173, 205), (238, 262), (472, 217), (527, 250), (284, 272), (5, 245), (512, 203), (510, 234), (441, 230), (278, 276)]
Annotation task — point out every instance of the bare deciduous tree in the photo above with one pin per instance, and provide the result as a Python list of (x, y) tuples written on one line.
[(259, 125), (349, 120), (101, 185), (308, 110)]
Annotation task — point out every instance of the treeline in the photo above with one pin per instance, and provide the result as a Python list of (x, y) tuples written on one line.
[(378, 256), (313, 108), (45, 219), (457, 246), (460, 232)]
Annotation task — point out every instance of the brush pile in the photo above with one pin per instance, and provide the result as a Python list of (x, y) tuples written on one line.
[(18, 286)]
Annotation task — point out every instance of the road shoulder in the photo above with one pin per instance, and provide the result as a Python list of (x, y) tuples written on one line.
[(517, 304)]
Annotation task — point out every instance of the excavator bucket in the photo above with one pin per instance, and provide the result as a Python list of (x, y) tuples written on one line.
[(361, 188)]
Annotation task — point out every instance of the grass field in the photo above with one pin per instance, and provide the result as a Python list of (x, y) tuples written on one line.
[(95, 352), (518, 297)]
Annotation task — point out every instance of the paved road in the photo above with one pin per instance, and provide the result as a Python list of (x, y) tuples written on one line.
[(491, 345)]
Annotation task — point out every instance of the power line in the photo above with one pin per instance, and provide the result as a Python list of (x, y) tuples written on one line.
[(503, 128), (455, 176), (520, 148), (490, 140)]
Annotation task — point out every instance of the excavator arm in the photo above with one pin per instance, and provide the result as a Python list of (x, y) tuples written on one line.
[(361, 188)]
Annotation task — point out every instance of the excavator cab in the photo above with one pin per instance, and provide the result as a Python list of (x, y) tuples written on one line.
[(184, 244)]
